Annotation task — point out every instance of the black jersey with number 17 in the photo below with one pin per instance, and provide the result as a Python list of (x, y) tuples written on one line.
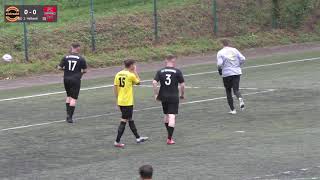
[(73, 65), (169, 79)]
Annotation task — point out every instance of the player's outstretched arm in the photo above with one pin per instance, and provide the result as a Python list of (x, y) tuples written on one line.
[(182, 90), (116, 85), (219, 60), (155, 89), (219, 63), (220, 71), (84, 66), (241, 57), (60, 66), (83, 71)]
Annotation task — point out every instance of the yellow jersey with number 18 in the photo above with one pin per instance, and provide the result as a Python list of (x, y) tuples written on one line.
[(124, 81)]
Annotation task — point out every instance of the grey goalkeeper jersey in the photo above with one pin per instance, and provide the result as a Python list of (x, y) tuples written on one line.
[(229, 59)]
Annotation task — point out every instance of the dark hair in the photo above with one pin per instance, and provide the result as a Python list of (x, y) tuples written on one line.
[(225, 42), (171, 57), (75, 45), (127, 63), (146, 171)]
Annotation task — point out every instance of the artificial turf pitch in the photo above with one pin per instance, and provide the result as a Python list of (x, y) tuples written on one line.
[(276, 137)]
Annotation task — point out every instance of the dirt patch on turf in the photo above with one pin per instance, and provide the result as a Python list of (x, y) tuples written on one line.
[(153, 66)]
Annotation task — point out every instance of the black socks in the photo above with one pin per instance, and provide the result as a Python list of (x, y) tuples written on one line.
[(71, 110), (134, 129), (121, 129), (167, 127), (170, 132), (68, 108)]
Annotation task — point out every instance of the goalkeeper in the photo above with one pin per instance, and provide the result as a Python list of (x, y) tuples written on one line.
[(229, 62)]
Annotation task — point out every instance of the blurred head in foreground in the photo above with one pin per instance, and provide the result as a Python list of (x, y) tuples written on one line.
[(146, 172)]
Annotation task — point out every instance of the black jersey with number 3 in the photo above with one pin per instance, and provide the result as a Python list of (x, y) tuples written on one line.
[(73, 65), (169, 79)]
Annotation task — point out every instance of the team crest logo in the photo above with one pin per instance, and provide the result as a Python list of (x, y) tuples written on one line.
[(50, 13), (12, 14)]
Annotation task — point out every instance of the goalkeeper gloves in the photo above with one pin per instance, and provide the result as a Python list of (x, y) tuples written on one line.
[(220, 71)]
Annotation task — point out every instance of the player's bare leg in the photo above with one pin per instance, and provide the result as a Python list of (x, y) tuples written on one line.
[(73, 103), (171, 125), (121, 129)]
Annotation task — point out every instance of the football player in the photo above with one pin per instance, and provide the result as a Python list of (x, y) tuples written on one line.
[(229, 62), (169, 78), (123, 90), (74, 66)]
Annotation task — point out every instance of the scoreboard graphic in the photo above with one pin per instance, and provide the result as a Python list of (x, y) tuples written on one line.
[(30, 13)]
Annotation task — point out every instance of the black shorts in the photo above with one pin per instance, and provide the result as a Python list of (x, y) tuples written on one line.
[(127, 112), (170, 107), (232, 82), (72, 87)]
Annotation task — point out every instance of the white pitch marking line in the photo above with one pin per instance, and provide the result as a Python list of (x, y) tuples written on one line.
[(287, 172), (138, 110), (53, 93), (240, 131), (245, 88), (262, 65), (188, 87), (196, 87), (187, 75)]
